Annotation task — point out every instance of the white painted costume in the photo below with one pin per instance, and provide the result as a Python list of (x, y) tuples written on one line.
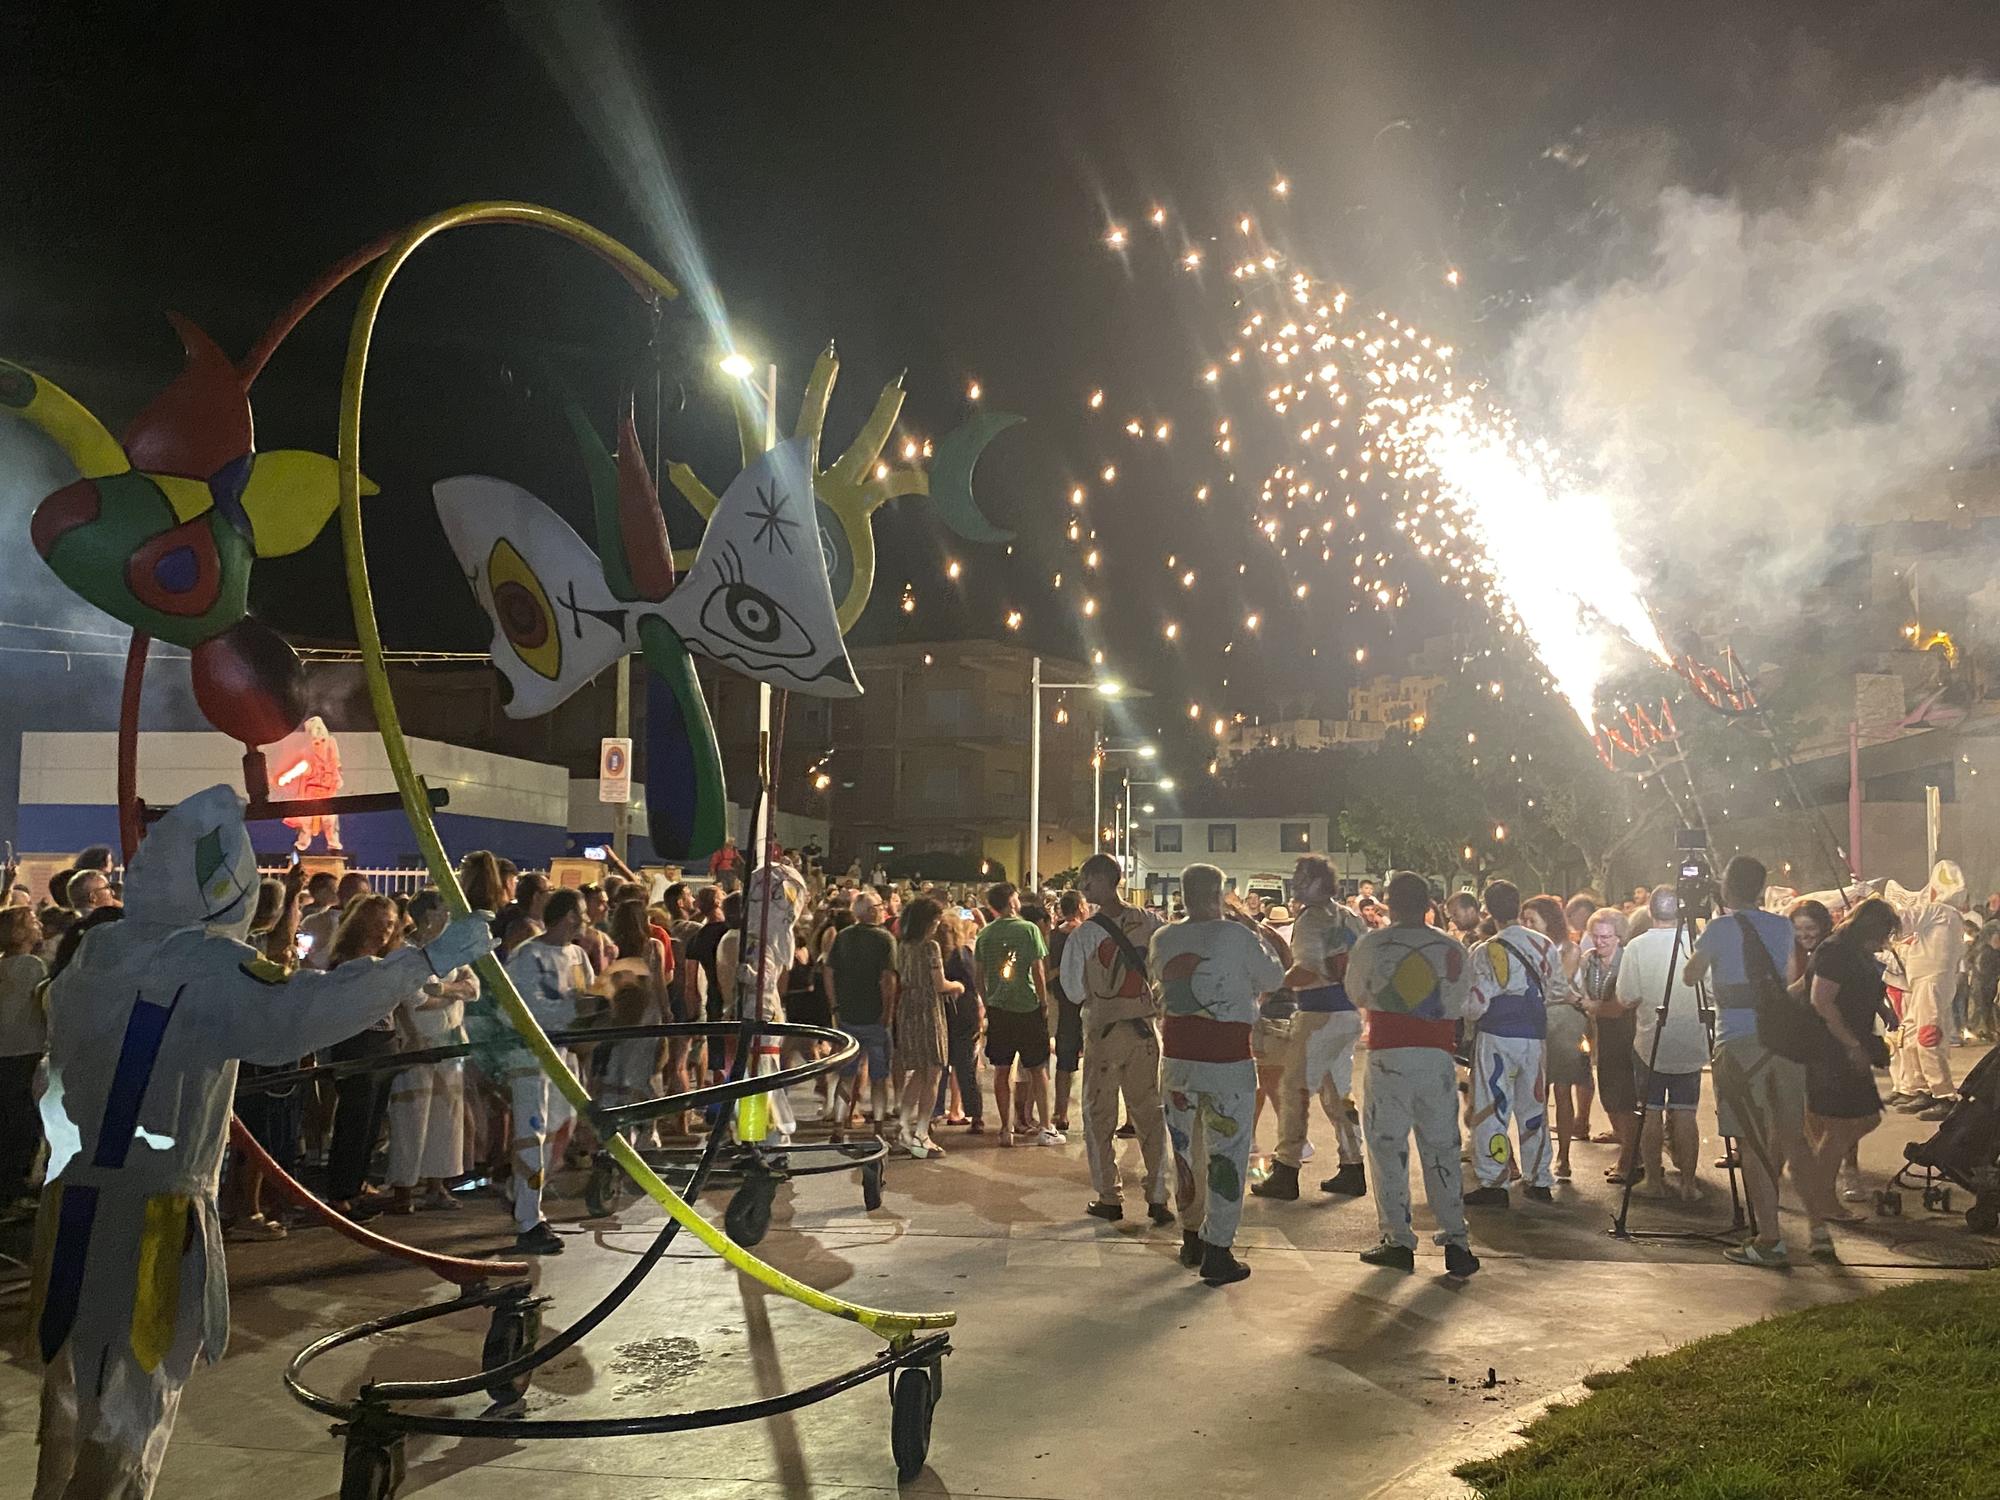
[(1210, 976), (1515, 976), (1932, 945), (1319, 1050), (784, 890), (1412, 983), (146, 1027)]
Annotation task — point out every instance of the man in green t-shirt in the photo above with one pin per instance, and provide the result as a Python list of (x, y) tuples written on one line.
[(1011, 955), (861, 976)]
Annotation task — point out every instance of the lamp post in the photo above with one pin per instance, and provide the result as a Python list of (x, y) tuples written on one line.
[(1108, 688), (1165, 784), (1097, 754), (739, 366)]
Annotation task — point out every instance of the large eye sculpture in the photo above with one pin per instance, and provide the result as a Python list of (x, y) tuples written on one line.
[(744, 615)]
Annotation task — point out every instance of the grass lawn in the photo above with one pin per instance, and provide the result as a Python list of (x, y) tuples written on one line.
[(1895, 1397)]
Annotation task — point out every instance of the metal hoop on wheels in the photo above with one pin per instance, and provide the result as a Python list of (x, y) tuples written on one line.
[(373, 1428)]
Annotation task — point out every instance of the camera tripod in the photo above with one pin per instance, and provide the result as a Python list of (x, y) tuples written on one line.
[(1741, 1216)]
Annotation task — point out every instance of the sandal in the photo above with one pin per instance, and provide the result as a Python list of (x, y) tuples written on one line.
[(1622, 1179)]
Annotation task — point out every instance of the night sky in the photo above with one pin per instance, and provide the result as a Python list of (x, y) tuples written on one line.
[(928, 185)]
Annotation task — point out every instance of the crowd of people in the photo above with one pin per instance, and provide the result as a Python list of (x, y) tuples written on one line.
[(1489, 1028)]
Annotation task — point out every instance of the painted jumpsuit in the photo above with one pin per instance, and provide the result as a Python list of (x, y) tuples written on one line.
[(146, 1028), (549, 976), (1319, 1049), (784, 889), (1932, 946), (1412, 984), (1210, 975), (1121, 1050), (1515, 975)]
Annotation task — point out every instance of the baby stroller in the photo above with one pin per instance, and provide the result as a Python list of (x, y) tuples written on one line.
[(1966, 1147)]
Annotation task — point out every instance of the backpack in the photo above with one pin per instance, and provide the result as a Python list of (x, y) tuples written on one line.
[(1784, 1026)]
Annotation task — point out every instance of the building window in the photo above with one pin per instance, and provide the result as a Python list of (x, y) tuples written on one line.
[(1295, 838), (1222, 838), (1166, 838)]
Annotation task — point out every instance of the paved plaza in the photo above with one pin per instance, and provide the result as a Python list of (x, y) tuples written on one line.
[(1087, 1362)]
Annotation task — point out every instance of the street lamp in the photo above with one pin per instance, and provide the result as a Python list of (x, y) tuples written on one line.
[(1135, 881), (1097, 754), (1108, 687), (739, 366)]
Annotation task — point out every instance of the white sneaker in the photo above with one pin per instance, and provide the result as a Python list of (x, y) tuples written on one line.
[(1854, 1192), (1004, 1137), (1306, 1153), (1052, 1138)]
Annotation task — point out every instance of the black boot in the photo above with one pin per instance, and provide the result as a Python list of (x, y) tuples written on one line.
[(1351, 1181), (1160, 1214), (1282, 1184), (1190, 1249), (1391, 1257), (1219, 1267)]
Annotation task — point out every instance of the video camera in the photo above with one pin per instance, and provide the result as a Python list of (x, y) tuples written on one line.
[(1694, 881)]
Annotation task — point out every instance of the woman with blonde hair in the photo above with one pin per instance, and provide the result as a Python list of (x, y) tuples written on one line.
[(1616, 1025)]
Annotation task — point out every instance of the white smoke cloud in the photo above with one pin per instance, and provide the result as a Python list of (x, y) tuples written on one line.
[(1776, 368)]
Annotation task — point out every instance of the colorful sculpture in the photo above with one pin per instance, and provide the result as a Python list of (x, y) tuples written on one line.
[(160, 530), (847, 494)]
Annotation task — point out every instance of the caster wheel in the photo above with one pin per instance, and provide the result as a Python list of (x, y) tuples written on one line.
[(871, 1186), (512, 1333), (1889, 1203), (602, 1193), (1984, 1216), (370, 1471), (910, 1422), (748, 1218)]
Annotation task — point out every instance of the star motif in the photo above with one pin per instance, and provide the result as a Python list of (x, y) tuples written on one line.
[(771, 520)]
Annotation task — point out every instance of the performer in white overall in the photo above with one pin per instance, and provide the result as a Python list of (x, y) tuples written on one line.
[(1933, 952), (1412, 982), (784, 890), (1210, 970), (427, 1100), (146, 1027), (1319, 1050), (1516, 974)]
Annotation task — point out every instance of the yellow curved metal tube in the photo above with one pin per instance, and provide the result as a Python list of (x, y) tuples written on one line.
[(892, 1326)]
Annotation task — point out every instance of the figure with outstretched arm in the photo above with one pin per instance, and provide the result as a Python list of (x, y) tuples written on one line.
[(146, 1027)]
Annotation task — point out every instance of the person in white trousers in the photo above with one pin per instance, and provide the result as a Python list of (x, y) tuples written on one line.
[(1412, 982), (551, 972), (1211, 970), (427, 1100), (146, 1028), (1104, 971), (1516, 973), (1319, 1047)]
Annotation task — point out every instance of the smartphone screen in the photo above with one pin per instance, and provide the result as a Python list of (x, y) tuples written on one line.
[(593, 851), (303, 944)]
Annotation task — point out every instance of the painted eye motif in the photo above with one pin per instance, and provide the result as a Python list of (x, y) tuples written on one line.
[(521, 606), (746, 616)]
